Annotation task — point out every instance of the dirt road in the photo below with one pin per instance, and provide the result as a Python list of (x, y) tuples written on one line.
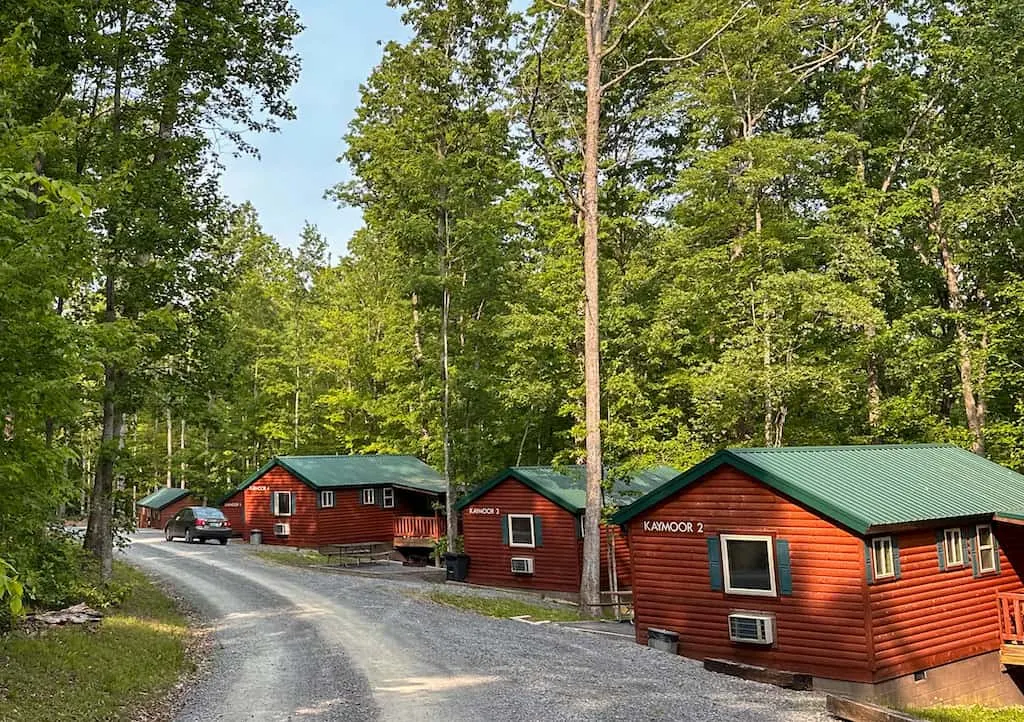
[(297, 644)]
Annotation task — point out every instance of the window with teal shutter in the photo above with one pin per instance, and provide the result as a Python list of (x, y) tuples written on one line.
[(715, 563), (538, 540), (504, 529), (940, 548)]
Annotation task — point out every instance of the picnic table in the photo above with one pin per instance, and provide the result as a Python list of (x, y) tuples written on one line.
[(356, 554)]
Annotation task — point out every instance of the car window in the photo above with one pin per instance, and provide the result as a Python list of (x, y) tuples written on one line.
[(186, 515), (209, 513)]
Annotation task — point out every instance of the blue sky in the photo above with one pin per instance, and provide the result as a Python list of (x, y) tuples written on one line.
[(339, 48)]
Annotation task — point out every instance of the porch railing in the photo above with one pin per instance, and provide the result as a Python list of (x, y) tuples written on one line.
[(419, 527), (1011, 617)]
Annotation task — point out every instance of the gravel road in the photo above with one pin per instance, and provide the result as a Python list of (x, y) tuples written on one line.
[(298, 644)]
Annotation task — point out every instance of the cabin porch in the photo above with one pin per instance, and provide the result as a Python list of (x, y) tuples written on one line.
[(418, 531), (1011, 628)]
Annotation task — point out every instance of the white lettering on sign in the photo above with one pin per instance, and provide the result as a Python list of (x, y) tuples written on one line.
[(233, 503), (484, 510), (260, 488), (675, 527)]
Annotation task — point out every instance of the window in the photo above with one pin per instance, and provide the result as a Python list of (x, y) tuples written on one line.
[(369, 496), (954, 547), (520, 530), (986, 549), (882, 561), (326, 499), (282, 503), (388, 496), (749, 565)]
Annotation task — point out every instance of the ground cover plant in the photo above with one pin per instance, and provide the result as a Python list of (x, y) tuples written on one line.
[(137, 654), (971, 714), (503, 607)]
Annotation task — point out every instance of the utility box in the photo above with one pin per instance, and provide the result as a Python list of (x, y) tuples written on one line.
[(256, 537), (663, 640)]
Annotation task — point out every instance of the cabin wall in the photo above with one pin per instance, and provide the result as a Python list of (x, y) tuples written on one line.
[(303, 522), (622, 566), (928, 617), (821, 629), (351, 522), (556, 561), (234, 509)]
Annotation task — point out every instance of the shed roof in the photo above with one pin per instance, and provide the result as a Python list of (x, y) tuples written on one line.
[(356, 470), (162, 497), (866, 487), (567, 485)]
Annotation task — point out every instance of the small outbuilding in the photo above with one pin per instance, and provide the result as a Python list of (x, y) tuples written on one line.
[(153, 510), (890, 573), (524, 527), (312, 501)]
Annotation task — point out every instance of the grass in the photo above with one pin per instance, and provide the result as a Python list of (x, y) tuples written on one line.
[(106, 673), (970, 714), (504, 607)]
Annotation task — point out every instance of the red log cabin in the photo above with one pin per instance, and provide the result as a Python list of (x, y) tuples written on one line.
[(887, 573), (153, 511), (523, 528), (311, 501)]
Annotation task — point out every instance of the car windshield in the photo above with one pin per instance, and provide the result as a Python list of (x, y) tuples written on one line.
[(206, 512)]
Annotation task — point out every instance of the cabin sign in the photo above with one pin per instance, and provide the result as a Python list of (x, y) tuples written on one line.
[(675, 527)]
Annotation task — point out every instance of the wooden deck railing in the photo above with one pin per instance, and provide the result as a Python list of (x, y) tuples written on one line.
[(1011, 617), (419, 527)]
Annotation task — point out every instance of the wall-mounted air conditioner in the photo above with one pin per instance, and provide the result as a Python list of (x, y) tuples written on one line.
[(281, 529), (522, 565), (752, 627)]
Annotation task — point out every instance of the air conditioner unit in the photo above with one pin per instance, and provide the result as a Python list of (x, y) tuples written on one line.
[(281, 529), (752, 627), (522, 565)]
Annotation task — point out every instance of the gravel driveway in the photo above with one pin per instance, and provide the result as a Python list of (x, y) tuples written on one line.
[(298, 644)]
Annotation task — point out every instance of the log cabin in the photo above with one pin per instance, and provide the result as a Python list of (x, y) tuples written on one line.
[(886, 573), (313, 501), (523, 528), (153, 510)]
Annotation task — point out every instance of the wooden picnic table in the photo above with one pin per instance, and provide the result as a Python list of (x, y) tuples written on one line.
[(356, 554)]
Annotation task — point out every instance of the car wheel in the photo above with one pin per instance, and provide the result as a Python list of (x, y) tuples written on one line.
[(167, 534), (223, 541), (189, 539)]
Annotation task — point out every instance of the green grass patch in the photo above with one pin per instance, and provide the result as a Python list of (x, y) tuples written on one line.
[(304, 558), (504, 607), (970, 714), (105, 673)]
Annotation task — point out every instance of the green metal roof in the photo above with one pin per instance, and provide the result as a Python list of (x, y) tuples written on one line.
[(162, 497), (864, 487), (334, 472), (567, 485)]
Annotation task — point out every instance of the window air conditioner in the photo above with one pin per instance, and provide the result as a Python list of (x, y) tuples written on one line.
[(281, 529), (522, 565), (752, 627)]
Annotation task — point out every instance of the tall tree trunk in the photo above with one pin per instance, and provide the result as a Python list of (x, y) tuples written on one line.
[(974, 410), (170, 449), (444, 260), (595, 24), (181, 447)]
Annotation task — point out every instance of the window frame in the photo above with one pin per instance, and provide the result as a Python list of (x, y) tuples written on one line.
[(325, 495), (990, 547), (277, 504), (533, 531), (769, 541), (368, 496), (385, 497), (876, 555), (959, 546)]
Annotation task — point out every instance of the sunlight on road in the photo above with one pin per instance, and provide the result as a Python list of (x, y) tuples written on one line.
[(416, 685)]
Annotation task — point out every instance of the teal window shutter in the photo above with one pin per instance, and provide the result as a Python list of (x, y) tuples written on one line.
[(319, 499), (538, 539), (869, 570), (784, 567), (970, 538), (715, 563), (995, 550), (896, 557), (940, 548), (504, 529), (579, 527)]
